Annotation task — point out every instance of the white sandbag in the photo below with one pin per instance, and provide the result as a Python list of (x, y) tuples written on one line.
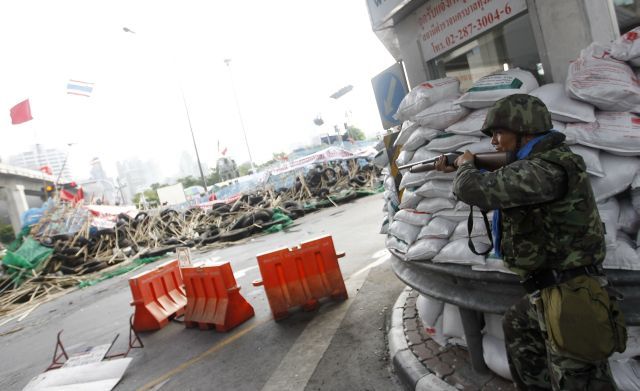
[(618, 133), (597, 78), (404, 157), (391, 196), (482, 146), (451, 321), (591, 157), (408, 127), (425, 249), (425, 95), (471, 124), (628, 220), (394, 243), (494, 352), (410, 200), (627, 46), (436, 332), (633, 344), (609, 214), (462, 207), (626, 374), (381, 159), (420, 137), (624, 256), (412, 217), (438, 228), (404, 231), (435, 189), (442, 114), (412, 179), (561, 107), (462, 231), (458, 251), (460, 215), (384, 229), (489, 89), (429, 310), (557, 125), (423, 153), (620, 172), (445, 176), (493, 325), (635, 198), (389, 183), (433, 205), (450, 142), (391, 209)]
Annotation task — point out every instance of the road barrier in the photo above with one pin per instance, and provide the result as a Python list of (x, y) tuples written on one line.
[(301, 276), (213, 298), (158, 295)]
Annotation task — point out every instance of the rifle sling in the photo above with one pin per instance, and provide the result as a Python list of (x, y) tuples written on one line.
[(472, 247)]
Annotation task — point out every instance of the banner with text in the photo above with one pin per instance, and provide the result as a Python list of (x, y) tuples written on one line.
[(445, 24)]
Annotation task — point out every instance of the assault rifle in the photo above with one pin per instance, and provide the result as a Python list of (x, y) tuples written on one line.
[(489, 161)]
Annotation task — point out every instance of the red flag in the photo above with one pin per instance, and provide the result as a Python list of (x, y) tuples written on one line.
[(46, 170), (21, 112), (224, 151)]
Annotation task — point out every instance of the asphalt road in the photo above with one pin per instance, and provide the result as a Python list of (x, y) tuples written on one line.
[(339, 347)]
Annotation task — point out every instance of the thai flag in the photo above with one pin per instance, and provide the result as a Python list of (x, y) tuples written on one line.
[(77, 87)]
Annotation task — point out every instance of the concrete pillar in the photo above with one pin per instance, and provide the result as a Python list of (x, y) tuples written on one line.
[(16, 204), (563, 28)]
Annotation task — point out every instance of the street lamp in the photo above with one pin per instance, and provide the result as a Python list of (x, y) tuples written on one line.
[(235, 96), (337, 95), (193, 137)]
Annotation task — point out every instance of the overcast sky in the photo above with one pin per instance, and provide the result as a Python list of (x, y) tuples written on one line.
[(287, 58)]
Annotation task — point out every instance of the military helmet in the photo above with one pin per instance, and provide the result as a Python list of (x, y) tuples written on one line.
[(519, 113)]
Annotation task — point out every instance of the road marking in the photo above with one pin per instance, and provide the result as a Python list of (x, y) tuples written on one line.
[(242, 272), (164, 378), (382, 259)]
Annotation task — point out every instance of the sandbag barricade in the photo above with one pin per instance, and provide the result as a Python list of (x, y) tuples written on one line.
[(158, 295), (213, 298), (301, 276)]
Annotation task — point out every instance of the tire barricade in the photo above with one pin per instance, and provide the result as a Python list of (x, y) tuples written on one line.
[(301, 276), (158, 295), (213, 298)]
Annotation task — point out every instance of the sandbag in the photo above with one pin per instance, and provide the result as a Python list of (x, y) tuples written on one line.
[(471, 124), (442, 114), (445, 176), (609, 214), (493, 325), (620, 172), (627, 46), (458, 251), (384, 228), (396, 244), (408, 127), (391, 209), (557, 125), (423, 153), (462, 207), (450, 142), (459, 215), (435, 189), (494, 352), (462, 231), (489, 89), (420, 137), (436, 332), (425, 95), (561, 107), (433, 205), (591, 157), (635, 198), (410, 180), (425, 249), (624, 256), (404, 157), (628, 220), (429, 310), (410, 200), (381, 159), (633, 344), (438, 228), (404, 231), (389, 183), (391, 196), (451, 321), (626, 374), (597, 78), (617, 133), (412, 217), (482, 146)]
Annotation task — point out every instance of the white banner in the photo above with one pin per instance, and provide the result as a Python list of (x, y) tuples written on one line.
[(445, 24)]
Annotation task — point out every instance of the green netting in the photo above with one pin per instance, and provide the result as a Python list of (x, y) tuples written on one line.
[(121, 270), (26, 258), (13, 246), (283, 221)]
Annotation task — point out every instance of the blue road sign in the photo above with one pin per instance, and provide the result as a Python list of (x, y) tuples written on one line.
[(390, 88)]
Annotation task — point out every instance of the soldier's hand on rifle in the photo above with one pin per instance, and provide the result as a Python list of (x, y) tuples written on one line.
[(441, 165), (467, 156)]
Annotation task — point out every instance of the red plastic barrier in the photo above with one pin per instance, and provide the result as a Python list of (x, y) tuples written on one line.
[(158, 295), (300, 276), (213, 298)]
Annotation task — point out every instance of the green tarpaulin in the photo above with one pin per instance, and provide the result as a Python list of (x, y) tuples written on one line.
[(29, 256)]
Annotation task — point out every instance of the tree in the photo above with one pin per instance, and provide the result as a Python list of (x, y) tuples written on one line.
[(355, 133), (189, 181), (244, 168), (150, 195), (6, 233), (213, 177)]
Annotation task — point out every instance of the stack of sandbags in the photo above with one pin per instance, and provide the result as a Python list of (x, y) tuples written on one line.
[(430, 312), (493, 346)]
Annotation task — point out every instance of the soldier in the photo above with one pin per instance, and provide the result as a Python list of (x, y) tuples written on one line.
[(547, 229)]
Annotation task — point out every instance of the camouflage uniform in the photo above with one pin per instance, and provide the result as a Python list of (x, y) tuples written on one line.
[(549, 220)]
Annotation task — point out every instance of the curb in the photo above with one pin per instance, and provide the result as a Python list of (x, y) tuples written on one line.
[(414, 375)]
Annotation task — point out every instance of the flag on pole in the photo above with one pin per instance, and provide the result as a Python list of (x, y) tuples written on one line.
[(224, 151), (77, 87), (21, 112)]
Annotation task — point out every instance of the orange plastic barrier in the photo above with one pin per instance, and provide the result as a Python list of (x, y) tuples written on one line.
[(158, 295), (213, 298), (300, 276)]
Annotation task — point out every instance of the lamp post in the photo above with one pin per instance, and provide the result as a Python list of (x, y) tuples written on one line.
[(193, 137), (337, 95), (235, 96)]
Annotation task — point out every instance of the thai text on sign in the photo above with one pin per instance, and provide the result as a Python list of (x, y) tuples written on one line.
[(445, 24)]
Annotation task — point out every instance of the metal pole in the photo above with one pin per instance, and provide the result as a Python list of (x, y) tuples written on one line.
[(204, 182), (235, 96)]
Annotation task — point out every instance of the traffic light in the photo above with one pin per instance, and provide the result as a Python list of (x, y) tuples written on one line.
[(47, 191)]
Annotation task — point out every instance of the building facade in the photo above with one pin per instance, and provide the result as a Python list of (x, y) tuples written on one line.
[(39, 156)]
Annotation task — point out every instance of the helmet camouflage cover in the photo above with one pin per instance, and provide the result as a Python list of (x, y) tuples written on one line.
[(519, 113)]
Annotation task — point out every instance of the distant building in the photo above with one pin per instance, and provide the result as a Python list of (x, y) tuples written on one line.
[(97, 172), (39, 156), (136, 175), (188, 165)]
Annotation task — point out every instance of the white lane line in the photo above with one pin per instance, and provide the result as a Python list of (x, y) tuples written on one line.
[(243, 272), (379, 261)]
